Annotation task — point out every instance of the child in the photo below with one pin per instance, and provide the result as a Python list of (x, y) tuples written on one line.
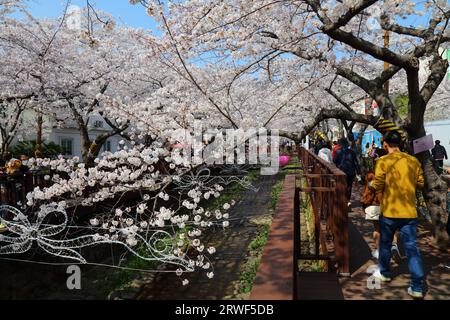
[(371, 203)]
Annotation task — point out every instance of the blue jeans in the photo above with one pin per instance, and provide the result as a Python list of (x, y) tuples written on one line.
[(408, 231)]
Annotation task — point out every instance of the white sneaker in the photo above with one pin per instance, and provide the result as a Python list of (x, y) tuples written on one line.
[(415, 294), (375, 254), (377, 274)]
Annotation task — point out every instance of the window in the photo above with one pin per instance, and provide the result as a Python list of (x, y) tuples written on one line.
[(107, 146), (67, 146), (98, 124)]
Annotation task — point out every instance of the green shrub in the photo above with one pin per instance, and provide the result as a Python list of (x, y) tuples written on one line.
[(49, 150)]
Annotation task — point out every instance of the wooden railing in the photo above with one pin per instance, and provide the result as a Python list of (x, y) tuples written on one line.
[(326, 187), (278, 276)]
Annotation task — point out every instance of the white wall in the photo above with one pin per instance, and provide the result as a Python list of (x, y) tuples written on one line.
[(440, 131), (56, 135), (69, 131)]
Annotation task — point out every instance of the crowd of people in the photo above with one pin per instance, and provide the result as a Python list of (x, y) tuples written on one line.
[(396, 179), (10, 167), (389, 198), (343, 156)]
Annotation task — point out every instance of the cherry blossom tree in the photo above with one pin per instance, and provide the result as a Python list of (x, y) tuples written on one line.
[(72, 75), (10, 123), (63, 70), (343, 38)]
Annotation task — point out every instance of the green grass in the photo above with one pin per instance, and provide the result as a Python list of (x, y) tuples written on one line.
[(276, 191), (258, 243), (308, 213), (312, 266), (247, 277), (253, 175), (248, 274)]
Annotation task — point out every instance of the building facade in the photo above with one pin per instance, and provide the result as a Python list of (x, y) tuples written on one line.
[(67, 136)]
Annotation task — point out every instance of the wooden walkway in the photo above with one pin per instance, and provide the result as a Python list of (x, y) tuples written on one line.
[(281, 279), (361, 245)]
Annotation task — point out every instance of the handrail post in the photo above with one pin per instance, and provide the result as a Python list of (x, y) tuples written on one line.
[(340, 227)]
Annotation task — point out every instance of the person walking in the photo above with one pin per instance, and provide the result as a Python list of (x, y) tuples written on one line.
[(368, 150), (335, 149), (398, 175), (439, 153), (325, 152), (347, 161), (371, 201), (289, 147)]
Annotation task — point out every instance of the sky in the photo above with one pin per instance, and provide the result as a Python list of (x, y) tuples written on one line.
[(134, 15), (125, 13)]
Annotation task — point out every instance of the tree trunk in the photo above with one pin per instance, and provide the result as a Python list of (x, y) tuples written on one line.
[(357, 146), (435, 195), (38, 151), (340, 129), (4, 150), (85, 145), (93, 152), (435, 191)]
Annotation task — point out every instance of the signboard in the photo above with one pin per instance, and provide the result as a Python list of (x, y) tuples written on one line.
[(423, 144)]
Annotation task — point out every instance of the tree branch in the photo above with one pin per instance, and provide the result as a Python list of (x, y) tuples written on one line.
[(352, 12)]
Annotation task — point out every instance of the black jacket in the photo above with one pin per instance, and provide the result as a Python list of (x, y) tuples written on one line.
[(439, 152)]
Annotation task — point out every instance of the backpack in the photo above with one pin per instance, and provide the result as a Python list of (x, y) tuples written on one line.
[(438, 152), (348, 162)]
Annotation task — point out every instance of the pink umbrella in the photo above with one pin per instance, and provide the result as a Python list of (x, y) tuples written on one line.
[(284, 160)]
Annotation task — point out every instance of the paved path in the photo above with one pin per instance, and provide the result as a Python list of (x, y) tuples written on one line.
[(361, 245), (231, 246)]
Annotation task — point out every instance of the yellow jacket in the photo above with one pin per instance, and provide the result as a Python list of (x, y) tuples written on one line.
[(398, 175), (13, 166)]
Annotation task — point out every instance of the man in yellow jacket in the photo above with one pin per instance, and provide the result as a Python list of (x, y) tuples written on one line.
[(397, 175)]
